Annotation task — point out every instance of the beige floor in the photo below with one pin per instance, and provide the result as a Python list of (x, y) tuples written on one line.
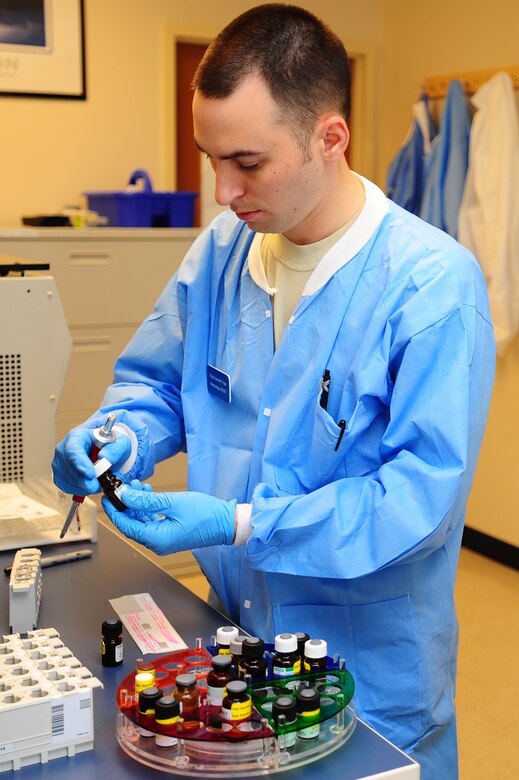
[(488, 672)]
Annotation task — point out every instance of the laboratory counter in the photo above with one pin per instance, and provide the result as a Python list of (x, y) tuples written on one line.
[(75, 601)]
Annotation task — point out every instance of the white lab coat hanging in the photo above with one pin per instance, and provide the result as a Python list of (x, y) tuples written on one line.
[(489, 216)]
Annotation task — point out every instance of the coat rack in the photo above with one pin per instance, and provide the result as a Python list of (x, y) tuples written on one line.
[(437, 86)]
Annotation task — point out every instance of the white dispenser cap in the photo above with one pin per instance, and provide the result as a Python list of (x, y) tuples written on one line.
[(224, 634), (315, 648), (285, 643)]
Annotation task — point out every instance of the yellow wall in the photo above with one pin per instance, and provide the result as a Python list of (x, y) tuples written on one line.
[(418, 40), (53, 150)]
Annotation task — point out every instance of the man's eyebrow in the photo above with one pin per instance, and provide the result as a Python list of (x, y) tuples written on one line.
[(233, 156)]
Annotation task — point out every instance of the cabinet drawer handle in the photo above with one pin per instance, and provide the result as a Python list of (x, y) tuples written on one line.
[(92, 257), (91, 344)]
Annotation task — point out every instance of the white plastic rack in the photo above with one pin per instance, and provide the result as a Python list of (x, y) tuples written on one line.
[(46, 707), (25, 590)]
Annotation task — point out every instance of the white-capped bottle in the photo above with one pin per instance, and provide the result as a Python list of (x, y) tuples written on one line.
[(286, 661), (224, 634), (315, 655)]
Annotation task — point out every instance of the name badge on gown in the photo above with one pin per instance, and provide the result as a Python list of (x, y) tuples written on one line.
[(219, 383)]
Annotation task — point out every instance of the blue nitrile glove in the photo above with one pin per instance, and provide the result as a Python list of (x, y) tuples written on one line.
[(72, 467), (172, 522)]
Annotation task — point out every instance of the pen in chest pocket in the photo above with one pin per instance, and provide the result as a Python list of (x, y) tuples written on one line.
[(325, 389), (342, 426), (323, 402)]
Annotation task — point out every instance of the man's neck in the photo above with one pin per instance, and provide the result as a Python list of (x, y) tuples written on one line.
[(346, 198)]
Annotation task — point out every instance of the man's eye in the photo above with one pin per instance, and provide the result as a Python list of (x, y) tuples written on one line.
[(248, 166)]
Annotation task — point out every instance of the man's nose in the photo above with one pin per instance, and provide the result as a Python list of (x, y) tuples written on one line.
[(228, 185)]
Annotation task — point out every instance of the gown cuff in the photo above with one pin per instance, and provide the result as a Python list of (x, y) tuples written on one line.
[(243, 524)]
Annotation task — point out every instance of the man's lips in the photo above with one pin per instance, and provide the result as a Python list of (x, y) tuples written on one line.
[(246, 215)]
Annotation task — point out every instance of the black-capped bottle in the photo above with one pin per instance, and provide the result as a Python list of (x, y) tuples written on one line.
[(148, 698), (112, 642), (308, 704), (221, 673), (315, 655), (253, 661), (237, 704), (167, 713), (301, 637), (285, 662), (224, 634), (109, 484), (188, 696), (285, 706)]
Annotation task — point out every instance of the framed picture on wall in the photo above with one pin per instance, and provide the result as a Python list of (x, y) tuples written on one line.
[(42, 48)]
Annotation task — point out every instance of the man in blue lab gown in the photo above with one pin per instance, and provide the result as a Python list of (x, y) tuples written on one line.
[(331, 442)]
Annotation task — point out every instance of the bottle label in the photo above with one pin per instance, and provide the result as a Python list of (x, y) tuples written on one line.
[(310, 732), (119, 653), (240, 710), (215, 695), (287, 671)]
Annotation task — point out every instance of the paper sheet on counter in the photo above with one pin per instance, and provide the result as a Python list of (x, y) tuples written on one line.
[(13, 503), (147, 624)]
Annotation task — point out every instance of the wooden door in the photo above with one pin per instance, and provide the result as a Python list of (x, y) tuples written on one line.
[(188, 55)]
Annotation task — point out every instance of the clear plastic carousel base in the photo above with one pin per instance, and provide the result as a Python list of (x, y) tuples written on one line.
[(211, 747), (228, 759)]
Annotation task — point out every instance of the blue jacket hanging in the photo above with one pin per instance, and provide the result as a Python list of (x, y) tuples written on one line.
[(407, 171), (448, 164)]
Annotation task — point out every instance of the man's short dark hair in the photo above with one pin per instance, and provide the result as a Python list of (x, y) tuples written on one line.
[(302, 62)]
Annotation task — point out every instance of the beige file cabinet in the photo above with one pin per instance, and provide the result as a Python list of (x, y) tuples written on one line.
[(108, 280)]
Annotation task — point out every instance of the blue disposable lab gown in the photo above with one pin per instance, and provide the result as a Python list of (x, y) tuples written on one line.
[(356, 543), (448, 164), (408, 171)]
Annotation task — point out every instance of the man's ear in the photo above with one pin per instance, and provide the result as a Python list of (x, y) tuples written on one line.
[(334, 136)]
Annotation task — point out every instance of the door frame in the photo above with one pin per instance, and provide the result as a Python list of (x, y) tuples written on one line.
[(172, 35)]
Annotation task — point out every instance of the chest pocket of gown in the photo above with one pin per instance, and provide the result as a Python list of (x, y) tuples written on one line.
[(313, 453)]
